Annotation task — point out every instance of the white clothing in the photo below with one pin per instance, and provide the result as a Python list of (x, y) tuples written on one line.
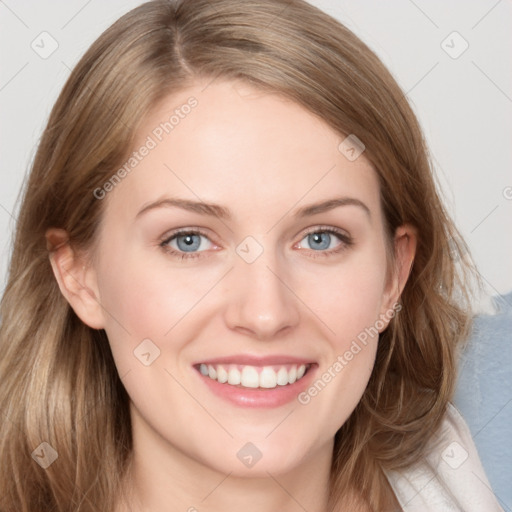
[(450, 478)]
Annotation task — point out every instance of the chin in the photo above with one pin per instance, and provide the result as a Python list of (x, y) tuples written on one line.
[(258, 459)]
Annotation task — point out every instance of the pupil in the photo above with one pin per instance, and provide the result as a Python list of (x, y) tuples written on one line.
[(317, 239), (188, 241)]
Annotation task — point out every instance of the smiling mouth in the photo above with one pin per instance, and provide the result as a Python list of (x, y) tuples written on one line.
[(246, 376)]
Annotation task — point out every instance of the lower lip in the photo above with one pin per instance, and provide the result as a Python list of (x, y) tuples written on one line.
[(259, 397)]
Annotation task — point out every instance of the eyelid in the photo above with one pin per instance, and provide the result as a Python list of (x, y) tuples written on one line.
[(184, 231), (325, 228)]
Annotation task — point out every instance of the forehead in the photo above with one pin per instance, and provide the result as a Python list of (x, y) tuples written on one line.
[(232, 143)]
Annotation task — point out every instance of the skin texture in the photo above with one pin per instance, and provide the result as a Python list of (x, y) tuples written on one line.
[(263, 157)]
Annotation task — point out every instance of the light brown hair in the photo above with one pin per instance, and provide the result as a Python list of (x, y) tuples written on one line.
[(59, 383)]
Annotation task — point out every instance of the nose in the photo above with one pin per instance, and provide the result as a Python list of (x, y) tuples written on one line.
[(261, 301)]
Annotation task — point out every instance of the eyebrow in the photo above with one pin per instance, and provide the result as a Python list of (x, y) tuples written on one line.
[(222, 212)]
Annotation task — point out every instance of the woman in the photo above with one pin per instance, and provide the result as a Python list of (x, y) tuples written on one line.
[(233, 282)]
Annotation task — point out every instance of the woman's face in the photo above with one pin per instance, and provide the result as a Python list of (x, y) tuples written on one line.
[(280, 272)]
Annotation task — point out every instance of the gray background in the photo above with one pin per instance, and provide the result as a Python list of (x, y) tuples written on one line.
[(464, 103)]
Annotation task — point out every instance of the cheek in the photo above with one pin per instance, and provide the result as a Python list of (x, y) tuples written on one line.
[(349, 305), (348, 298), (355, 337), (145, 301)]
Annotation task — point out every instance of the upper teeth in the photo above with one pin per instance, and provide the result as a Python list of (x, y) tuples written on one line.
[(254, 376)]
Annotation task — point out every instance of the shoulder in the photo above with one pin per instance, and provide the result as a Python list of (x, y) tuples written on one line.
[(450, 477)]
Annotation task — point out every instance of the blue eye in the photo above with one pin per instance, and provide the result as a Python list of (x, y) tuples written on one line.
[(189, 243), (322, 239), (185, 243), (319, 240)]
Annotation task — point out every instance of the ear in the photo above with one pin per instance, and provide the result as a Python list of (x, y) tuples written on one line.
[(404, 247), (76, 278)]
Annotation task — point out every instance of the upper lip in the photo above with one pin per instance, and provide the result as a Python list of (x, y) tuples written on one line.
[(251, 360)]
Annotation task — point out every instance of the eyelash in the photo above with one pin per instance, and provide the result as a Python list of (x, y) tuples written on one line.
[(345, 239)]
